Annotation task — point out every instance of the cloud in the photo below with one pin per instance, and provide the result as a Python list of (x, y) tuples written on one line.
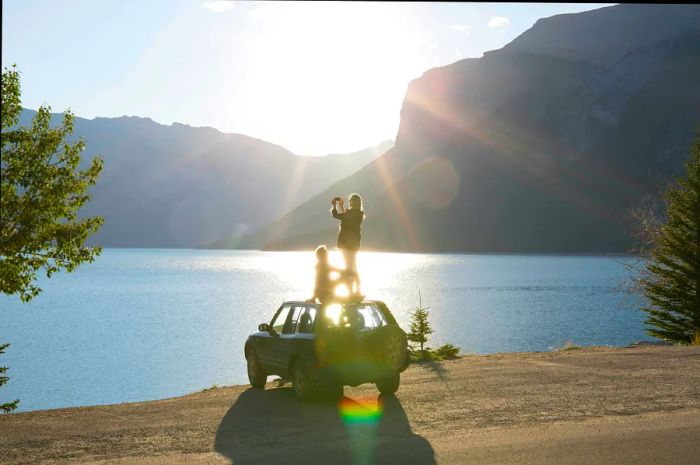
[(219, 6), (499, 22), (466, 30)]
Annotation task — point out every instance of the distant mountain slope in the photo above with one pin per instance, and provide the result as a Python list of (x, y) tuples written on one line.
[(541, 146), (180, 186)]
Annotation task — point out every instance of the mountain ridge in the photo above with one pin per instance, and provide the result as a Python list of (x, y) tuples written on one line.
[(527, 151), (182, 186)]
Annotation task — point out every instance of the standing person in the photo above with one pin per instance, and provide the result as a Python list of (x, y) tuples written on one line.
[(350, 235)]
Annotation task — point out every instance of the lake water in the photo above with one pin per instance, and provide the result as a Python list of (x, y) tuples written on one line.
[(142, 324)]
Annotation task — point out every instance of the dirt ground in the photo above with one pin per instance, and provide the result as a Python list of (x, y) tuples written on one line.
[(637, 405)]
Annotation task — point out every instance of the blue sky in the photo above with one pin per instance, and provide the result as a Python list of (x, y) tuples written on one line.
[(316, 78)]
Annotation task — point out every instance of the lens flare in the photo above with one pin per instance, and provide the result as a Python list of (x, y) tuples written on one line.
[(353, 412), (361, 420), (333, 313)]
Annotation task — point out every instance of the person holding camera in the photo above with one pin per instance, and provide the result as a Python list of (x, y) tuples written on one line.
[(350, 235)]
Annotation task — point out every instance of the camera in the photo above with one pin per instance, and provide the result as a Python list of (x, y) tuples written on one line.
[(336, 199)]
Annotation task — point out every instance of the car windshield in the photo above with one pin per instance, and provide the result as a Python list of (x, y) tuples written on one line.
[(358, 316)]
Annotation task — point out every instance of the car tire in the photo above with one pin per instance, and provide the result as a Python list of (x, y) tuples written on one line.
[(303, 384), (406, 363), (256, 374), (392, 347), (389, 384)]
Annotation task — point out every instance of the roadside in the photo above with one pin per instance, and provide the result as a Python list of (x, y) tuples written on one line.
[(592, 405)]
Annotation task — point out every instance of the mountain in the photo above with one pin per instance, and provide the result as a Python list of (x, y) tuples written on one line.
[(541, 146), (181, 186)]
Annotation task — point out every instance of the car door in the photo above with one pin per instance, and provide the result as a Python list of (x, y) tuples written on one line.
[(305, 340), (268, 343), (284, 347)]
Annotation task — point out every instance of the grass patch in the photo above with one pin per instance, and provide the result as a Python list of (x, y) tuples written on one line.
[(569, 345)]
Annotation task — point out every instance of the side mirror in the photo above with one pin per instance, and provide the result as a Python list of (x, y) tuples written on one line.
[(264, 327)]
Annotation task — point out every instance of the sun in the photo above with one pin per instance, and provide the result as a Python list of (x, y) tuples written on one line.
[(334, 73)]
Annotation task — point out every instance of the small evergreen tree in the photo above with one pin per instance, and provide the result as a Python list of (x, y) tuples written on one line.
[(7, 406), (671, 277), (420, 327)]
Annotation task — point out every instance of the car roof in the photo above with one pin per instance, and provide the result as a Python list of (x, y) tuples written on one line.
[(384, 309), (302, 302)]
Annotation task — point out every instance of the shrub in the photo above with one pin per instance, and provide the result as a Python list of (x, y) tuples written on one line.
[(448, 351)]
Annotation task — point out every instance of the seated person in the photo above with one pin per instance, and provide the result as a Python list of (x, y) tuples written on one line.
[(324, 289)]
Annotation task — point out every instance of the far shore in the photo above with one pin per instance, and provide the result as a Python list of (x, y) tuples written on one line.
[(589, 405), (369, 250)]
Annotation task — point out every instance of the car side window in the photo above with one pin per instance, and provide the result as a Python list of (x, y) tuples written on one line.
[(292, 321), (281, 318), (370, 317), (306, 321)]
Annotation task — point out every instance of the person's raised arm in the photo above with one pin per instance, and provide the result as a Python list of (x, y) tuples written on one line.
[(334, 211)]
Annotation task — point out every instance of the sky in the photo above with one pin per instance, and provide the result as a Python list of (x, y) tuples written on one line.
[(313, 77)]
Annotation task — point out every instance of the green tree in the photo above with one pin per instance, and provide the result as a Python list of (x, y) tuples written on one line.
[(42, 189), (671, 276), (420, 327), (7, 406)]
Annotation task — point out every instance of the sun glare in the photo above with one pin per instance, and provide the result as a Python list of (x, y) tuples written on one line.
[(334, 71), (333, 314), (378, 270)]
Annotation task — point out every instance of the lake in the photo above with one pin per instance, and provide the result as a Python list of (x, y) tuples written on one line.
[(142, 324)]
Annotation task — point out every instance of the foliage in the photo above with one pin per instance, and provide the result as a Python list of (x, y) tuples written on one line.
[(447, 351), (444, 352), (420, 327), (42, 191), (8, 406), (670, 278), (569, 345)]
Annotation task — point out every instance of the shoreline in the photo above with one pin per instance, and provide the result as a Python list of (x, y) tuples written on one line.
[(637, 404), (642, 343), (532, 254)]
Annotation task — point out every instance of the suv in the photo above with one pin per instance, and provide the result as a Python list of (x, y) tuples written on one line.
[(321, 348)]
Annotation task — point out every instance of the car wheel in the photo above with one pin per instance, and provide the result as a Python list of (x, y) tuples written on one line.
[(390, 383), (256, 375), (406, 362), (394, 348), (304, 388)]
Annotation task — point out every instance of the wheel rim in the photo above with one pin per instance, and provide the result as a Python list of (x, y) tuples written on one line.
[(393, 350)]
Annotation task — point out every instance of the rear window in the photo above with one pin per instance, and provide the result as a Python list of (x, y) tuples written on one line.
[(369, 317)]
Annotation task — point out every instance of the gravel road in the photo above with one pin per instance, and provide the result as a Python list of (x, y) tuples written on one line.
[(638, 405)]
